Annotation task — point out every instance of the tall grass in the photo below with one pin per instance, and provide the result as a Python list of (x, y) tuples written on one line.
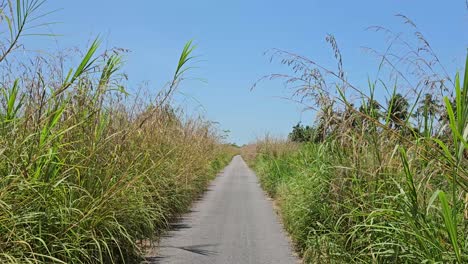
[(88, 172), (376, 184)]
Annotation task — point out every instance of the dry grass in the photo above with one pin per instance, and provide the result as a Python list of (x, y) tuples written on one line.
[(385, 182), (88, 170)]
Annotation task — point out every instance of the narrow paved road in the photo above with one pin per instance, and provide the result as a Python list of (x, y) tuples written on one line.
[(233, 223)]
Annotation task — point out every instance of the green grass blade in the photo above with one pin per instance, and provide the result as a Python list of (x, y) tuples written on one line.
[(450, 225)]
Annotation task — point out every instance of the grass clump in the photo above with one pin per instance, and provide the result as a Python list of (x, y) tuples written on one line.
[(378, 183), (340, 210), (90, 173)]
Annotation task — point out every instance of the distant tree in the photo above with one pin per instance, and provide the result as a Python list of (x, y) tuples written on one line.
[(428, 106), (397, 110), (371, 108), (301, 133), (426, 112)]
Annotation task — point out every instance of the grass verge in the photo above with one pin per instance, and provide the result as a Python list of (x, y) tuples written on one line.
[(88, 171), (369, 192)]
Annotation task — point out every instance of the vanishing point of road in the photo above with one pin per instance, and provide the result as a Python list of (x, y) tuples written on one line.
[(233, 223)]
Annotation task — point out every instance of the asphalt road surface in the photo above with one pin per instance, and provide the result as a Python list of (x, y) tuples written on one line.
[(233, 223)]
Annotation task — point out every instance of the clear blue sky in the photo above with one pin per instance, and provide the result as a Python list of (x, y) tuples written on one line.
[(232, 37)]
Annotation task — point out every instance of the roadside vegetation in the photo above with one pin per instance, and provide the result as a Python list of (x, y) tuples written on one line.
[(381, 176), (89, 172)]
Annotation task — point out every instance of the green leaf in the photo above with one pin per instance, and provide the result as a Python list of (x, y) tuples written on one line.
[(87, 60), (450, 224)]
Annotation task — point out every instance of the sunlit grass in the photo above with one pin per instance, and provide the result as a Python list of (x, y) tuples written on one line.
[(90, 173), (374, 189)]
